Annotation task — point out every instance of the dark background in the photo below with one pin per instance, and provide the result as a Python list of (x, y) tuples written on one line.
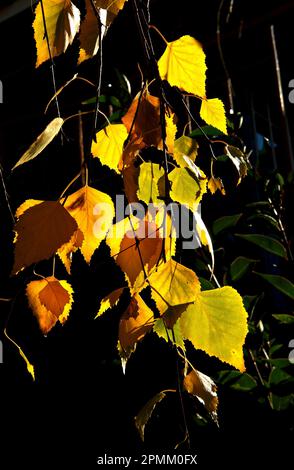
[(81, 404)]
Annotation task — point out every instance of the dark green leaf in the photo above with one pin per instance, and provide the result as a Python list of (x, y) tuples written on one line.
[(208, 130), (237, 380), (282, 403), (280, 377), (224, 223), (240, 266), (267, 243), (284, 318), (205, 284), (265, 218), (279, 282)]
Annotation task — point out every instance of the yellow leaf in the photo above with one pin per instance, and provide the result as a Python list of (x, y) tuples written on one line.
[(212, 111), (148, 180), (26, 205), (93, 212), (135, 322), (173, 335), (62, 23), (203, 387), (109, 301), (217, 323), (203, 235), (185, 146), (173, 284), (40, 231), (50, 300), (215, 184), (109, 145), (187, 189), (65, 251), (183, 65), (41, 142), (171, 130)]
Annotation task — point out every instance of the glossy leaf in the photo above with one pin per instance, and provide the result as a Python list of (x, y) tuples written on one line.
[(280, 283), (266, 243)]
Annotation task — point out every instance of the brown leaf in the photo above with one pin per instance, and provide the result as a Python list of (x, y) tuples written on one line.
[(40, 231), (204, 388), (54, 297), (145, 413)]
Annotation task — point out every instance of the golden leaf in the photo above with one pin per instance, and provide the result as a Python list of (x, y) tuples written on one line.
[(90, 31), (109, 145), (215, 184), (173, 335), (66, 250), (216, 322), (212, 111), (50, 300), (183, 65), (93, 212), (62, 24), (148, 180), (41, 142), (109, 301), (185, 146), (203, 387), (40, 231)]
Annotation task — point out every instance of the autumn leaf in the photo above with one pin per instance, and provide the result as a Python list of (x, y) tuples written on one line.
[(113, 7), (50, 300), (239, 159), (130, 175), (135, 322), (212, 111), (173, 284), (109, 301), (203, 387), (215, 184), (186, 188), (173, 335), (171, 130), (143, 119), (149, 175), (183, 65), (93, 212), (41, 142), (90, 31), (62, 24), (185, 146), (203, 235), (40, 231), (109, 145), (65, 251), (145, 413), (216, 322)]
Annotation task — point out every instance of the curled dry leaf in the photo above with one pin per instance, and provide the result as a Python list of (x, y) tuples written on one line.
[(50, 301), (62, 19), (40, 231), (203, 387), (41, 142)]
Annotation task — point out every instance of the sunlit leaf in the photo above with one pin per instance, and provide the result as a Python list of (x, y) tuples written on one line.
[(173, 284), (65, 251), (183, 65), (173, 335), (109, 145), (40, 231), (203, 387), (212, 111), (215, 184), (184, 145), (90, 31), (217, 323), (50, 300), (93, 212), (41, 142), (110, 301), (186, 189), (148, 182), (62, 24)]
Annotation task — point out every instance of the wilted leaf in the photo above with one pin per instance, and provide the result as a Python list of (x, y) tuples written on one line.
[(90, 31), (41, 142), (148, 182), (135, 322), (183, 65), (62, 24), (173, 284), (145, 413), (184, 145), (279, 282), (50, 301), (215, 184), (40, 231), (203, 387), (267, 243), (93, 212), (217, 323), (109, 301), (109, 145), (212, 111)]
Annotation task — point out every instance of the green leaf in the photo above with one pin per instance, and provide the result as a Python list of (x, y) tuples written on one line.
[(280, 377), (257, 204), (250, 302), (266, 218), (279, 282), (205, 284), (224, 223), (208, 130), (236, 380), (240, 266), (282, 403), (267, 243), (284, 318)]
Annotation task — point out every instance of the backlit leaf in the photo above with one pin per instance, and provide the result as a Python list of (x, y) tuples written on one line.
[(62, 23), (212, 111), (217, 323), (203, 387), (40, 231), (173, 335), (110, 301), (41, 142), (239, 160), (148, 182), (215, 184), (50, 301), (183, 65), (184, 145), (90, 31), (186, 189), (65, 251), (93, 212), (109, 145)]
